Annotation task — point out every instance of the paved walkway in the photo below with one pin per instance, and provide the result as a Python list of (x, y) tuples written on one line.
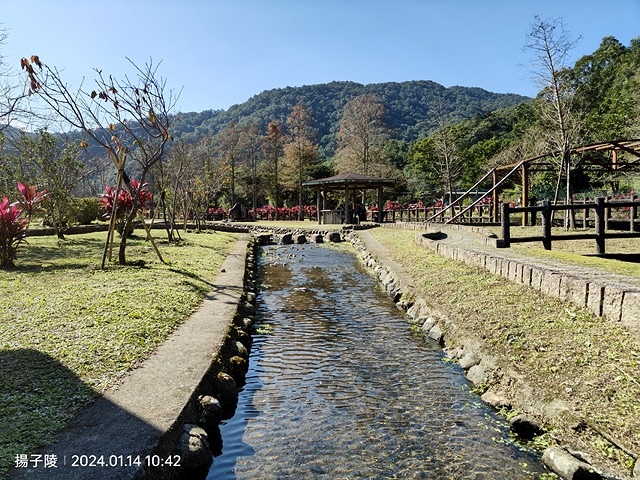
[(126, 424), (606, 294)]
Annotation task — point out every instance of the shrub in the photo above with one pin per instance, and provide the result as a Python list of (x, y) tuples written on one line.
[(85, 210), (13, 226), (13, 230), (124, 199)]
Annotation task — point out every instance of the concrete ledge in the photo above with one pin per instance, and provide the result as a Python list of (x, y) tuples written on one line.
[(616, 301), (145, 413)]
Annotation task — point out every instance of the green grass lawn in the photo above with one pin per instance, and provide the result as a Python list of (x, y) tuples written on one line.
[(586, 361), (69, 330)]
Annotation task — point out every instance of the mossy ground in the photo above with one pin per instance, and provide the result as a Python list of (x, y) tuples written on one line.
[(583, 360), (69, 330)]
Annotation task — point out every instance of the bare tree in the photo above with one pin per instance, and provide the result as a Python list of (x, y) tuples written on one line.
[(274, 141), (448, 164), (301, 149), (361, 136), (128, 118), (10, 95), (551, 44)]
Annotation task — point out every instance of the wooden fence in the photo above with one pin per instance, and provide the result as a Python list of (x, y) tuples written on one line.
[(601, 219), (478, 214)]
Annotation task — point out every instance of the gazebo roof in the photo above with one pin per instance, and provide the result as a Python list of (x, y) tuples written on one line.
[(350, 180)]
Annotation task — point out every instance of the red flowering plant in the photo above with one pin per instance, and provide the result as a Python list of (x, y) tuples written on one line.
[(30, 199), (124, 203), (14, 221)]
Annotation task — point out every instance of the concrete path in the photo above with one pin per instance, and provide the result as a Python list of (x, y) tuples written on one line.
[(120, 428), (606, 294)]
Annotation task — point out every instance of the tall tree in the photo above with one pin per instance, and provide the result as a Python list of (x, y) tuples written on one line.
[(130, 119), (55, 169), (253, 146), (550, 45), (301, 149), (274, 142), (362, 134), (229, 144)]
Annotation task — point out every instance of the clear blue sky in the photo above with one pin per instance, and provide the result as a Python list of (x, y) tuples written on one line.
[(222, 52)]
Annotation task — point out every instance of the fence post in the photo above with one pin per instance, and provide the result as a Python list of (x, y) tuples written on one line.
[(504, 222), (633, 213), (546, 224), (601, 224)]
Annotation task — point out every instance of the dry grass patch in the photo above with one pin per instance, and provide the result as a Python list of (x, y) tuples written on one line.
[(576, 357)]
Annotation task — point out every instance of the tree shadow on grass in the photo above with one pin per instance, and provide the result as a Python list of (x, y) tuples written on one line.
[(77, 253), (191, 275), (47, 412)]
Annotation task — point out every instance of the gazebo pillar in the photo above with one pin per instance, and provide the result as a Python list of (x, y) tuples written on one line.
[(347, 211), (380, 207), (525, 194), (319, 210), (496, 198)]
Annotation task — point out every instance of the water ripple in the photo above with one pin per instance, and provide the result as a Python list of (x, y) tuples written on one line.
[(342, 389)]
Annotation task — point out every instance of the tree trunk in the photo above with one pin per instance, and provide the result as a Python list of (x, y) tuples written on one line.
[(126, 231)]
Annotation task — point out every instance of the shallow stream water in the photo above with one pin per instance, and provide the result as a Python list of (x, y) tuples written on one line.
[(340, 387)]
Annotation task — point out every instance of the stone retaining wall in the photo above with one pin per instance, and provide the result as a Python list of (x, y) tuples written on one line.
[(617, 301)]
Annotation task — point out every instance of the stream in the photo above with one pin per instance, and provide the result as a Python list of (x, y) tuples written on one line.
[(341, 387)]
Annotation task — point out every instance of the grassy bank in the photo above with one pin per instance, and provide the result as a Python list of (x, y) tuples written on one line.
[(588, 363), (69, 330)]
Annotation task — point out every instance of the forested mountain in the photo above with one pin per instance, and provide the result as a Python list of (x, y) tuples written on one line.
[(412, 108), (443, 139)]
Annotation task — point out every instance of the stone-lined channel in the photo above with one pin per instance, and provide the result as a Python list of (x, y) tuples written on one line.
[(339, 386)]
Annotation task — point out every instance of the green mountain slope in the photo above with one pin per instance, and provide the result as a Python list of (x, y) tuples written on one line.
[(411, 108)]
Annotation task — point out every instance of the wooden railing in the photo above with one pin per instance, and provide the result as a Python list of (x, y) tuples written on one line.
[(481, 213), (601, 219)]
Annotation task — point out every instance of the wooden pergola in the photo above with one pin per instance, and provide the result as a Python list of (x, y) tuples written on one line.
[(527, 166), (542, 163), (348, 182)]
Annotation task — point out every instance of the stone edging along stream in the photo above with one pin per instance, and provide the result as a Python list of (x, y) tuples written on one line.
[(216, 398), (479, 366), (197, 438)]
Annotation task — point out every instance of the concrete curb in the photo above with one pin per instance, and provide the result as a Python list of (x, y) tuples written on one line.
[(607, 296), (143, 417)]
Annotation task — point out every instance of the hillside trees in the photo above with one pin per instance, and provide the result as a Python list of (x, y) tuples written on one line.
[(301, 149), (408, 106), (229, 147), (607, 84)]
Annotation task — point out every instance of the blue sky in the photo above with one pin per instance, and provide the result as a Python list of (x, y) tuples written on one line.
[(222, 52)]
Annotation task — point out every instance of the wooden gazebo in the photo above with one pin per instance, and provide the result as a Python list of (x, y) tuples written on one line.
[(348, 182)]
